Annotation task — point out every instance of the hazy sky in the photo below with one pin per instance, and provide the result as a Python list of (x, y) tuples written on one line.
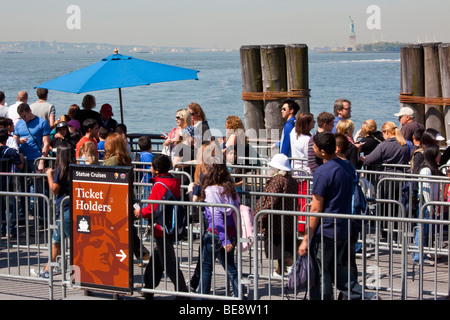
[(225, 23)]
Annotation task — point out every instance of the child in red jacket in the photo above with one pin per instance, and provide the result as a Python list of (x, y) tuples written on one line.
[(162, 181)]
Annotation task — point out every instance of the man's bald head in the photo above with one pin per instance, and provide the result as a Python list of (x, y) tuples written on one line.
[(22, 96)]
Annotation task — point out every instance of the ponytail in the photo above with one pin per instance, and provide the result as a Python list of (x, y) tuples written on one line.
[(390, 127), (399, 136)]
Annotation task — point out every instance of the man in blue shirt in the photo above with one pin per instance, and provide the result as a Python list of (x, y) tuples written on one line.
[(333, 188), (342, 110), (288, 112), (33, 136)]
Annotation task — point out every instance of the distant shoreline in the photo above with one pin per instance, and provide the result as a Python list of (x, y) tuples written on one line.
[(354, 52), (13, 47)]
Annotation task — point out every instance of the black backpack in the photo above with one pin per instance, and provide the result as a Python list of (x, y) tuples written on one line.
[(172, 218)]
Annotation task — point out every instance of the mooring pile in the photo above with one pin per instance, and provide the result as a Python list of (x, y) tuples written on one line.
[(271, 74), (425, 84)]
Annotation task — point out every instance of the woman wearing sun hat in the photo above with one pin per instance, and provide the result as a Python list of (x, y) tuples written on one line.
[(277, 239)]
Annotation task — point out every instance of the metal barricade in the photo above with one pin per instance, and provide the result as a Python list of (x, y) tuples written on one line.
[(405, 188), (184, 261), (30, 246), (390, 274), (256, 252), (385, 267)]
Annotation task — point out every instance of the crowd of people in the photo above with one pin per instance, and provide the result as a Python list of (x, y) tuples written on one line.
[(30, 133), (331, 155)]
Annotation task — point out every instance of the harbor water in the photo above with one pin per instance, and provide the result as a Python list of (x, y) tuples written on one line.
[(371, 81)]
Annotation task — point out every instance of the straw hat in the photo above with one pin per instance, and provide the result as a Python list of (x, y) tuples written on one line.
[(281, 162)]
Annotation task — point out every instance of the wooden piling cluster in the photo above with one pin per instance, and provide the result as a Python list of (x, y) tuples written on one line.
[(271, 74), (425, 84)]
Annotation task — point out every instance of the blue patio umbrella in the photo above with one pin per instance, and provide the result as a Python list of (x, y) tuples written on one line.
[(118, 71)]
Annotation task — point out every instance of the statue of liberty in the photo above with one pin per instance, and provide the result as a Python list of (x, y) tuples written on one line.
[(352, 26)]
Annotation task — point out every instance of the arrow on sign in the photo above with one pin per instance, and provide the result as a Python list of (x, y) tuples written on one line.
[(122, 255)]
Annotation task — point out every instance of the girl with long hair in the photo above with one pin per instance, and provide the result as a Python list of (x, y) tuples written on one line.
[(207, 152), (428, 191), (200, 123), (235, 131), (370, 136), (177, 135), (346, 127), (116, 151), (59, 185), (299, 142), (220, 238), (117, 155), (299, 137), (393, 150), (89, 153), (429, 136)]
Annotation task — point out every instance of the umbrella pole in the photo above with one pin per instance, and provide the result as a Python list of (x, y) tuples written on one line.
[(121, 109)]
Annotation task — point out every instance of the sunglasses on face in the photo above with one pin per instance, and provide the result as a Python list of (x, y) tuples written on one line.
[(178, 118)]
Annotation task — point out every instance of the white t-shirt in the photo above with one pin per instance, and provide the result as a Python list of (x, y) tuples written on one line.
[(299, 149), (12, 112), (4, 111), (12, 143), (429, 190)]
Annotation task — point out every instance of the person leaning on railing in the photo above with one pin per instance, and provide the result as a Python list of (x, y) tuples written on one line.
[(393, 150)]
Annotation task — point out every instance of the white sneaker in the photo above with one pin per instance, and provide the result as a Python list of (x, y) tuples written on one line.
[(428, 262), (425, 262), (57, 270), (42, 274), (34, 272), (276, 275), (289, 269)]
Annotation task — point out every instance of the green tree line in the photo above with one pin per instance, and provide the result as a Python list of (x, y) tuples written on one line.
[(383, 46)]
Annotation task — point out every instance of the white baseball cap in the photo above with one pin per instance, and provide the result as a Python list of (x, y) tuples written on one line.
[(280, 161), (405, 111)]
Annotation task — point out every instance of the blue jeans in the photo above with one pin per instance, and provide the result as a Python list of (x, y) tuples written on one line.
[(426, 231), (27, 185), (10, 207), (66, 228), (212, 244), (196, 276)]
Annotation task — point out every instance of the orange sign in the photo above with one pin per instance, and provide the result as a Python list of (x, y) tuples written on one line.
[(101, 220)]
